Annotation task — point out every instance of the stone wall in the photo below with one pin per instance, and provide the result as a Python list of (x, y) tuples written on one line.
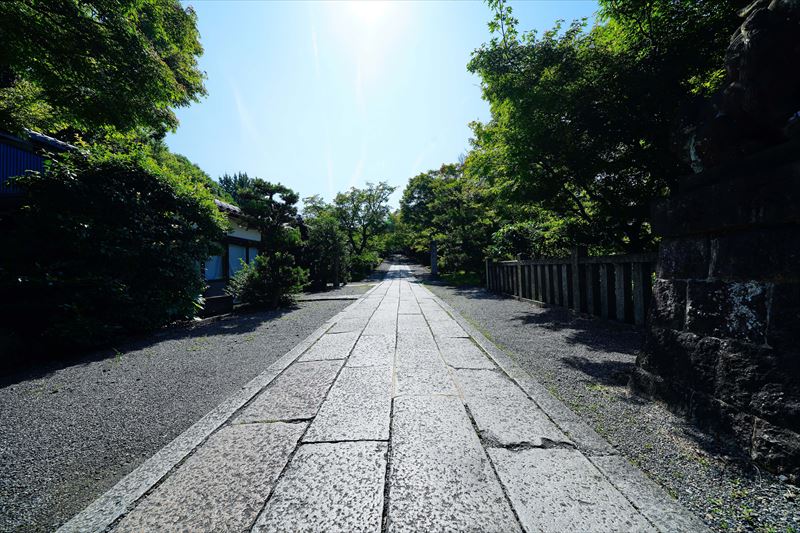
[(724, 334)]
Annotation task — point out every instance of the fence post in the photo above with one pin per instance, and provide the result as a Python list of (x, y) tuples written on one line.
[(488, 285), (519, 276), (564, 286), (539, 294), (619, 290), (590, 294), (577, 253), (546, 284), (603, 290)]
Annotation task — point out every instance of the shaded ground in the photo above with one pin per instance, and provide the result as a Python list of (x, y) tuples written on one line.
[(72, 431), (586, 363)]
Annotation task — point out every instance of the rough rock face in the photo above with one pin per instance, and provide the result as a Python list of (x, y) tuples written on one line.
[(724, 332), (760, 103)]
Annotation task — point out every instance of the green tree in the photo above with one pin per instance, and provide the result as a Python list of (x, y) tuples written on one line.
[(272, 207), (105, 243), (583, 120), (362, 213), (233, 183), (79, 65), (456, 211), (326, 251)]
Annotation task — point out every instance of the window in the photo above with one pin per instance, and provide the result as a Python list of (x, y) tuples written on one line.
[(236, 255), (251, 254), (214, 267)]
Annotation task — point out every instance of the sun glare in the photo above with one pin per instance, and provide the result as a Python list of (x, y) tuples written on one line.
[(368, 11)]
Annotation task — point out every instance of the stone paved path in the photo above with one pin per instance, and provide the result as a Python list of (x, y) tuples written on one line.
[(397, 416)]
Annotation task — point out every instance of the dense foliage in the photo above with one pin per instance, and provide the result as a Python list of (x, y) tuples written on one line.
[(109, 239), (275, 274), (446, 206), (80, 65), (268, 281), (105, 243), (582, 137), (327, 253)]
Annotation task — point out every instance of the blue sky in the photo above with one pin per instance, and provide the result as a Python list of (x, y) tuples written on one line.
[(322, 96)]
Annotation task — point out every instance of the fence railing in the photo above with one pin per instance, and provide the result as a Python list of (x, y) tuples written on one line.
[(614, 287)]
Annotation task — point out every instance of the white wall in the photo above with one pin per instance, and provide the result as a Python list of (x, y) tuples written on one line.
[(243, 232)]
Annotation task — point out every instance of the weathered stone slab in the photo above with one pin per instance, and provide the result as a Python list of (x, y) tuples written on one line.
[(440, 478), (424, 380), (329, 487), (294, 395), (447, 328), (655, 504), (349, 324), (503, 412), (436, 314), (382, 323), (331, 346), (459, 352), (413, 355), (560, 490), (357, 407), (411, 324), (420, 339), (409, 307), (223, 486), (373, 350)]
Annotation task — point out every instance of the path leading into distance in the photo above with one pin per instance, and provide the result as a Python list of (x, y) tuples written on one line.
[(396, 415)]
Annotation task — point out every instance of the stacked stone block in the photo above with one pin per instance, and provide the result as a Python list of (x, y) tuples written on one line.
[(724, 333)]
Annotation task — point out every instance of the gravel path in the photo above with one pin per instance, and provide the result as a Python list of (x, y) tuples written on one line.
[(71, 432), (586, 363)]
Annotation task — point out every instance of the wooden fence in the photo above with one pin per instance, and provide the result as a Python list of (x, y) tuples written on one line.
[(614, 287)]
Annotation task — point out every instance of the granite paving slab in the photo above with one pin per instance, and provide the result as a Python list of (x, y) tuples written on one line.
[(349, 324), (503, 413), (423, 380), (555, 490), (223, 486), (294, 395), (440, 478), (650, 499), (459, 352), (331, 346), (373, 350), (447, 328), (334, 487), (409, 307), (357, 407)]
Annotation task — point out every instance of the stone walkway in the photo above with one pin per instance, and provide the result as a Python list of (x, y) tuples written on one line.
[(397, 415)]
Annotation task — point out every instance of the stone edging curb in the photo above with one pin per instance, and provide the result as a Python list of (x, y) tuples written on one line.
[(120, 498), (661, 509)]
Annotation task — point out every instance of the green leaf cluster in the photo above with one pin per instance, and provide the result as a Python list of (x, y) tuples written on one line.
[(268, 281), (105, 243), (584, 119), (80, 65)]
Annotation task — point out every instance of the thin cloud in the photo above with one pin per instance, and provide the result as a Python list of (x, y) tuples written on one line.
[(250, 132), (359, 171), (315, 48)]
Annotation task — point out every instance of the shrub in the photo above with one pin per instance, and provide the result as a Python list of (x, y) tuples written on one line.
[(529, 239), (326, 251), (268, 281), (363, 264), (104, 244)]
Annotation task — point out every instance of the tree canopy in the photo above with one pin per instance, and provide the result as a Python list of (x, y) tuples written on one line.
[(583, 119), (80, 65), (363, 213)]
